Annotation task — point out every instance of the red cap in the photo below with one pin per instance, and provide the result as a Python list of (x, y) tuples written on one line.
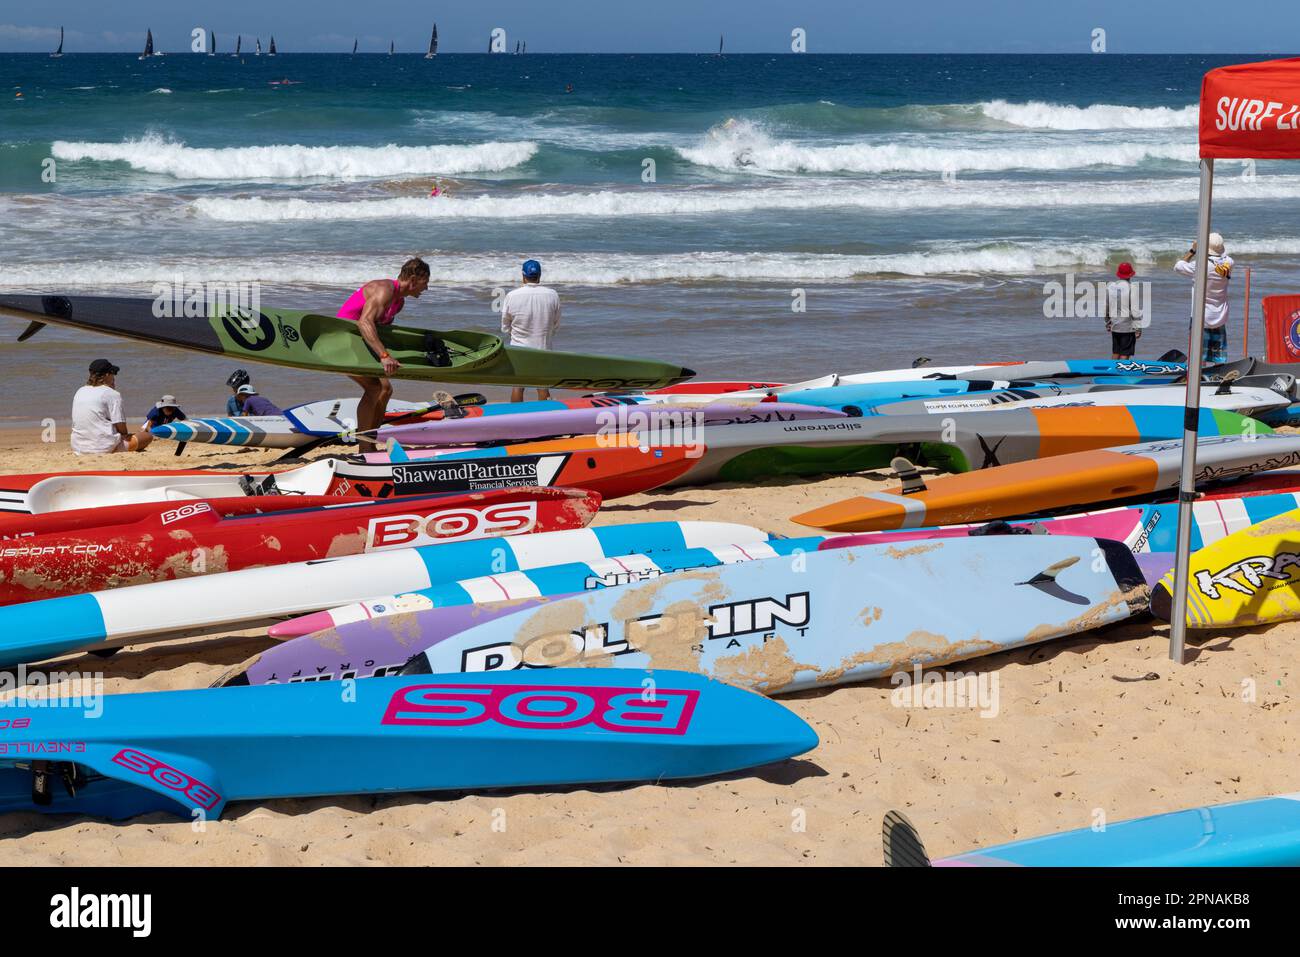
[(1125, 271)]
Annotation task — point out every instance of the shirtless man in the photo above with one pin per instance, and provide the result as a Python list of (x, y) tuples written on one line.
[(373, 305)]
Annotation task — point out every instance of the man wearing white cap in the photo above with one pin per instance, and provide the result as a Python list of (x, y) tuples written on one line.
[(1218, 268), (530, 314)]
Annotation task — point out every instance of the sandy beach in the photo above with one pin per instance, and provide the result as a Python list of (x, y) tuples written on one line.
[(1101, 724)]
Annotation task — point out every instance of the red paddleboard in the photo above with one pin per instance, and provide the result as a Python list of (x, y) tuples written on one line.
[(192, 538), (25, 524), (569, 463)]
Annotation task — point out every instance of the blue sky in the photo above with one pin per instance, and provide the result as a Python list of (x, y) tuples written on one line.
[(686, 26)]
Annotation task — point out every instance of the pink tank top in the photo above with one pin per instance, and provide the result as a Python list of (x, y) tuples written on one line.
[(357, 302)]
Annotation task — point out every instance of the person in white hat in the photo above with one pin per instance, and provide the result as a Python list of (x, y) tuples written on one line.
[(1218, 267), (164, 411)]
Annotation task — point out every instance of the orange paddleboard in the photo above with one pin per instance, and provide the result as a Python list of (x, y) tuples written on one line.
[(1078, 479)]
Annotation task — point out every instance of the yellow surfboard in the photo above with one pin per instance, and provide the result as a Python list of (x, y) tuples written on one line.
[(1251, 577)]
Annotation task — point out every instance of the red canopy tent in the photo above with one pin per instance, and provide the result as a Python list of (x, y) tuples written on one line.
[(1248, 111)]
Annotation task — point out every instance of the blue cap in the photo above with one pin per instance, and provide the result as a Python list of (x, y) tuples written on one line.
[(532, 269)]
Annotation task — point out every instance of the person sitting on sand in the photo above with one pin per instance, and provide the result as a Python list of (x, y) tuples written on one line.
[(1123, 314), (98, 425), (1218, 271), (530, 315), (373, 305), (250, 403), (237, 378), (164, 412)]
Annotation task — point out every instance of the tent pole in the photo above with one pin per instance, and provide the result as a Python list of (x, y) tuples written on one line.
[(1191, 414)]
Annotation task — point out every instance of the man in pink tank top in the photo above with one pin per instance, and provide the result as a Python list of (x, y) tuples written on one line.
[(374, 305)]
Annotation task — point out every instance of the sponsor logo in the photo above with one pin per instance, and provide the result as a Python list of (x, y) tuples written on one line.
[(544, 707), (16, 723), (34, 551), (1140, 543), (606, 385), (610, 579), (835, 425), (42, 747), (1253, 571), (684, 627), (255, 334), (1149, 368), (477, 475), (198, 793), (405, 531), (185, 511), (1292, 341)]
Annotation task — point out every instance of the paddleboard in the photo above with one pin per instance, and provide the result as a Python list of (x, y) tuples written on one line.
[(80, 490), (973, 401), (323, 648), (295, 428), (1264, 832), (303, 340), (1062, 481), (1143, 528), (957, 443), (534, 425), (1251, 577), (812, 620), (194, 539), (193, 752), (1235, 398), (136, 613)]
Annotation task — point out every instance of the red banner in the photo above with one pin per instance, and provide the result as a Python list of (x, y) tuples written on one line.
[(1282, 328), (1251, 111)]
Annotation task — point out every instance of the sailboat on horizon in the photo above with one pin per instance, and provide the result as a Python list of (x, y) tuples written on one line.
[(433, 44), (271, 51), (258, 51), (390, 47), (238, 41), (59, 51), (148, 46), (213, 34), (354, 46), (719, 44)]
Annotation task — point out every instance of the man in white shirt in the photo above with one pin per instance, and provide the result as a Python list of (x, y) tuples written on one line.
[(529, 317), (98, 425), (1218, 268)]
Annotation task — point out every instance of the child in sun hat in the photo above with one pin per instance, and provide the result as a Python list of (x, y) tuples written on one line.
[(1124, 316)]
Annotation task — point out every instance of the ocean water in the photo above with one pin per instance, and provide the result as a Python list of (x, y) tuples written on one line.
[(684, 206)]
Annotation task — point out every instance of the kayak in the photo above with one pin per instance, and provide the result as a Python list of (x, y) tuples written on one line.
[(778, 625), (298, 425), (304, 340), (535, 425), (1063, 481), (974, 401), (134, 614), (192, 752), (1264, 832), (322, 648), (26, 525), (613, 471), (193, 538), (957, 443), (78, 490)]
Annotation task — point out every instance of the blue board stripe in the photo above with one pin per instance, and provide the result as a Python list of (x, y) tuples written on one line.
[(57, 624)]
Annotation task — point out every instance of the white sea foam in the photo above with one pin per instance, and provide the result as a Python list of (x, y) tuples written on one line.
[(603, 269), (661, 201), (1101, 116), (742, 145), (291, 162)]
